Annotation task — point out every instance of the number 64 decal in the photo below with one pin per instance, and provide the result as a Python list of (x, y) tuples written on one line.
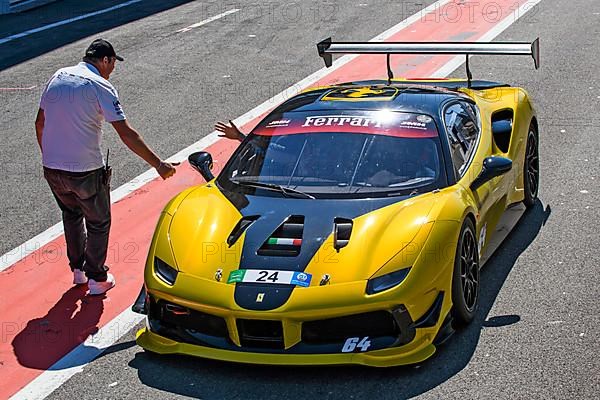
[(352, 343)]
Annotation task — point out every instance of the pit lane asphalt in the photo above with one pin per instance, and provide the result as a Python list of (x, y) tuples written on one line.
[(536, 332)]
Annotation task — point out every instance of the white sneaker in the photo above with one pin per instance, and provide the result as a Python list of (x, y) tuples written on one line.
[(101, 287), (79, 277)]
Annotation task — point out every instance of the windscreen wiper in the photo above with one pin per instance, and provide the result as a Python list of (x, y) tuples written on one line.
[(278, 188)]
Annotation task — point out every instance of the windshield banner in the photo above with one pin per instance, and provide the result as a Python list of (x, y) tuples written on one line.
[(383, 122)]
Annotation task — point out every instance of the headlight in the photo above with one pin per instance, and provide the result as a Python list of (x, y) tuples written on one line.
[(386, 281), (164, 271)]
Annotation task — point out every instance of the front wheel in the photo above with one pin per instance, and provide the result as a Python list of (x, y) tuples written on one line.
[(531, 169), (465, 279)]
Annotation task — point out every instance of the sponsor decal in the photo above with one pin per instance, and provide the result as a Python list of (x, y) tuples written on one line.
[(270, 277), (342, 120), (236, 276), (301, 279), (275, 124), (412, 124), (424, 119), (260, 297)]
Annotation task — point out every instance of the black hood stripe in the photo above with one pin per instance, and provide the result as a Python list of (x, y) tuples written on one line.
[(319, 215)]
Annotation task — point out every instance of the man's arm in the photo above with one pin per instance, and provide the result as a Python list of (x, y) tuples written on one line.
[(134, 141), (39, 126)]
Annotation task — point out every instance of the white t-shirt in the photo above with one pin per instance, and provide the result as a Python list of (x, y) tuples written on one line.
[(76, 101)]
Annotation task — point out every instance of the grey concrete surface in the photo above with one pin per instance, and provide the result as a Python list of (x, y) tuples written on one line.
[(536, 332), (122, 12)]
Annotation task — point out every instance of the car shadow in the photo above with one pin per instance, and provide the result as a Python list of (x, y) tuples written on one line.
[(209, 379), (21, 49)]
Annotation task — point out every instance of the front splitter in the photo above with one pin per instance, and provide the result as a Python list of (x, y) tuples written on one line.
[(379, 358)]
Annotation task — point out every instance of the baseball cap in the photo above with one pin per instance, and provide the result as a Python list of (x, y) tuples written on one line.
[(101, 48)]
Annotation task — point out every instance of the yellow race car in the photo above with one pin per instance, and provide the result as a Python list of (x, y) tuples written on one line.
[(350, 226)]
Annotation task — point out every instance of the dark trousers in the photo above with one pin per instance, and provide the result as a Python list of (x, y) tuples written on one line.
[(84, 199)]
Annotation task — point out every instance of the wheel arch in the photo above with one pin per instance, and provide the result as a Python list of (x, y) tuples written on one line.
[(534, 122), (471, 216)]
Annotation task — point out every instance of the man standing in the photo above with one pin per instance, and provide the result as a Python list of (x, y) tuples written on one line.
[(73, 106)]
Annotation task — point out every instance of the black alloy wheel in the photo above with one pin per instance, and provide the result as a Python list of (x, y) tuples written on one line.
[(465, 281), (531, 169)]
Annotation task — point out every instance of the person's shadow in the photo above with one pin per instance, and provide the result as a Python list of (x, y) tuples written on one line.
[(67, 324), (209, 379)]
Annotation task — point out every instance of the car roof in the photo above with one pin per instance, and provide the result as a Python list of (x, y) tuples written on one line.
[(416, 97)]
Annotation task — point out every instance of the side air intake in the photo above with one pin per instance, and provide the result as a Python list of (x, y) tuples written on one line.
[(286, 241)]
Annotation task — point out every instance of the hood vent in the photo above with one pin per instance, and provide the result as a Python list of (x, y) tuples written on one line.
[(286, 240), (342, 228), (240, 228)]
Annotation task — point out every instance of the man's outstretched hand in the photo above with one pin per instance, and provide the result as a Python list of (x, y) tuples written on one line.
[(166, 170), (230, 131)]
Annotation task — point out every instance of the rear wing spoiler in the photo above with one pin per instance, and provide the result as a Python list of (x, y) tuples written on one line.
[(326, 48)]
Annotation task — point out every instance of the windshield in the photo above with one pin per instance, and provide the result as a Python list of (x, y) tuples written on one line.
[(346, 155)]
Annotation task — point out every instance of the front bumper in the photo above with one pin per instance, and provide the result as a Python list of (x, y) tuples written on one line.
[(389, 336)]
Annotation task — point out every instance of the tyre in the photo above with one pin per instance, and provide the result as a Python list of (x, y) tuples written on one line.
[(465, 278), (531, 168)]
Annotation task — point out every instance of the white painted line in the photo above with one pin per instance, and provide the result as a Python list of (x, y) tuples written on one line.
[(79, 357), (66, 21), (8, 89), (206, 21), (76, 360)]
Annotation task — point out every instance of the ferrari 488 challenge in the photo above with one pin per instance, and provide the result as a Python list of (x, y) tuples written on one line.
[(350, 226)]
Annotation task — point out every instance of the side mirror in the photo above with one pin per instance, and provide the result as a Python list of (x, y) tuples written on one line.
[(492, 167), (202, 162)]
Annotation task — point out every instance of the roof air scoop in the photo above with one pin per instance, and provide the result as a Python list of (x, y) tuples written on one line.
[(342, 229)]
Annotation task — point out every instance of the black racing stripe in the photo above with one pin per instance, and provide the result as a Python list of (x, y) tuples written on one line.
[(318, 225)]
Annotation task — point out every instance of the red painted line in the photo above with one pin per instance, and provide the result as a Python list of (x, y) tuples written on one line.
[(43, 317)]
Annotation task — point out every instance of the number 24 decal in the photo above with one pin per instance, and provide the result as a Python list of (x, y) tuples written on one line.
[(263, 276), (352, 343)]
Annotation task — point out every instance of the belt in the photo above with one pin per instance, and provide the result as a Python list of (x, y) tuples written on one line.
[(72, 173)]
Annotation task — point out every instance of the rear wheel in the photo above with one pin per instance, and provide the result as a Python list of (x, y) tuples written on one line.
[(465, 280), (531, 168)]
